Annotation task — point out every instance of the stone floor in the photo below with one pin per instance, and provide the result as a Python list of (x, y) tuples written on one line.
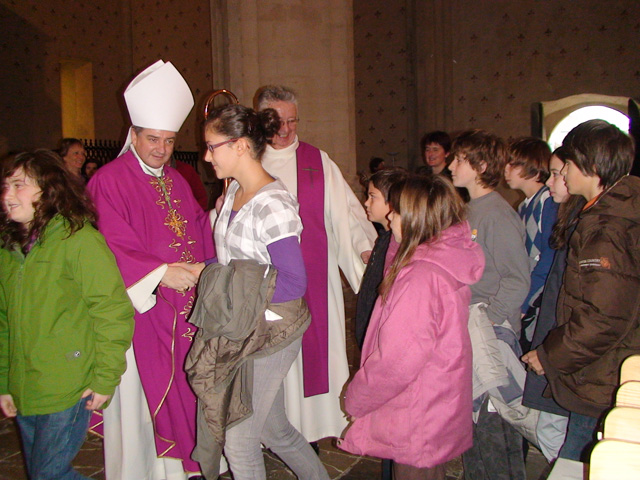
[(339, 464)]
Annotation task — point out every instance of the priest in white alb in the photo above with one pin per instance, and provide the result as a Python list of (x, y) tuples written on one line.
[(336, 236)]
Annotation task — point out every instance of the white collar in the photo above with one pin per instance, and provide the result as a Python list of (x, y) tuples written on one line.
[(156, 172), (283, 152)]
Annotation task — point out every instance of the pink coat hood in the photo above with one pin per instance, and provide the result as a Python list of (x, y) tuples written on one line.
[(412, 395)]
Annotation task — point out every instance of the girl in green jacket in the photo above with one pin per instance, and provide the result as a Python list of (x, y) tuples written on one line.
[(65, 319)]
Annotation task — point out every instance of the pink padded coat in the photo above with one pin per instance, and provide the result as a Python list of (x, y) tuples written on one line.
[(411, 397)]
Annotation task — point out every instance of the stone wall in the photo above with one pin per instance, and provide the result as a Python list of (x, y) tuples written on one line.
[(468, 64)]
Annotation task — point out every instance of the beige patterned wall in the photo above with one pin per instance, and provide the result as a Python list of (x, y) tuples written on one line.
[(372, 76), (384, 81), (179, 32), (482, 64), (36, 35), (119, 38), (516, 53)]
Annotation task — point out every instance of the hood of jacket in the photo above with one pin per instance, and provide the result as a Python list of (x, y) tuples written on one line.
[(455, 253), (621, 200)]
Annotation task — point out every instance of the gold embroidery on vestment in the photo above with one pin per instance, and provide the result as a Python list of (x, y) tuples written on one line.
[(174, 220), (189, 334), (187, 306), (173, 373), (176, 223)]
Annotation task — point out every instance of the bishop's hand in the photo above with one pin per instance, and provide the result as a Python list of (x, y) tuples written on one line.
[(179, 278)]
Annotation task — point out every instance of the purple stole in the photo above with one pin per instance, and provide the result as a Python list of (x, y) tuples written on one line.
[(313, 243)]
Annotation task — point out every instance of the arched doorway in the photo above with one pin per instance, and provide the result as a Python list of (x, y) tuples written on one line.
[(554, 119), (582, 114)]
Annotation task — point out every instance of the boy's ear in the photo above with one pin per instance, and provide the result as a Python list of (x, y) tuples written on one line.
[(483, 167)]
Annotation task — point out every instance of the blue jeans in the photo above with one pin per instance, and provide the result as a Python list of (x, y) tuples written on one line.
[(581, 434), (52, 441)]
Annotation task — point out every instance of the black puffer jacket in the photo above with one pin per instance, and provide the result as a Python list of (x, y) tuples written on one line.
[(599, 304)]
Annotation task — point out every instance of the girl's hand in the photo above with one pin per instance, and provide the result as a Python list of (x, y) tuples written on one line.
[(195, 268), (179, 278), (96, 401), (8, 407)]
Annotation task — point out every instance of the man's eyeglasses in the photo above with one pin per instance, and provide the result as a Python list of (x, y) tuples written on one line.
[(211, 148), (290, 123)]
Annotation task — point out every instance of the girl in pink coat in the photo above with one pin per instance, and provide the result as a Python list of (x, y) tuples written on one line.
[(411, 399)]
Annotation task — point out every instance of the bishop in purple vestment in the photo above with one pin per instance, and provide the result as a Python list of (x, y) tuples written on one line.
[(154, 226)]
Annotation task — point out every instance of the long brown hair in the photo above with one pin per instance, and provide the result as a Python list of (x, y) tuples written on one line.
[(427, 206), (567, 212), (62, 194)]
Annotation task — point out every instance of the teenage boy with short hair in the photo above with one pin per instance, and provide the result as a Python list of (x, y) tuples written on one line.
[(478, 165), (599, 303), (527, 170)]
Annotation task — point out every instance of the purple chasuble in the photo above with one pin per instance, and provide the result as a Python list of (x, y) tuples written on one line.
[(148, 222), (313, 243)]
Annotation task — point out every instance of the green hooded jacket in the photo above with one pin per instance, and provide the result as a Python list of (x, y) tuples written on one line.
[(65, 320)]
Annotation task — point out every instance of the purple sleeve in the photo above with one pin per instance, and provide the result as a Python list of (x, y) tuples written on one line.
[(286, 257)]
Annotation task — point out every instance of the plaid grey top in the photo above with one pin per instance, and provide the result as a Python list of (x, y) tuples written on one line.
[(271, 215)]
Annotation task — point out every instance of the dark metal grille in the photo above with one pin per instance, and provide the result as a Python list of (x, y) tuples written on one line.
[(103, 151)]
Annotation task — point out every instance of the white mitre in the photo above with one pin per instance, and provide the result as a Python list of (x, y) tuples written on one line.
[(158, 98)]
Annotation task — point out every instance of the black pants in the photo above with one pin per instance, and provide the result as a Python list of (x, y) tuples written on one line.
[(497, 450)]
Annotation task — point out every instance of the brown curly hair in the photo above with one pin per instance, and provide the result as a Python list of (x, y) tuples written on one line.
[(483, 150), (62, 194)]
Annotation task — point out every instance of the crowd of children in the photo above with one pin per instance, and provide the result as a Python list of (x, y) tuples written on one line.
[(580, 215), (480, 326)]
